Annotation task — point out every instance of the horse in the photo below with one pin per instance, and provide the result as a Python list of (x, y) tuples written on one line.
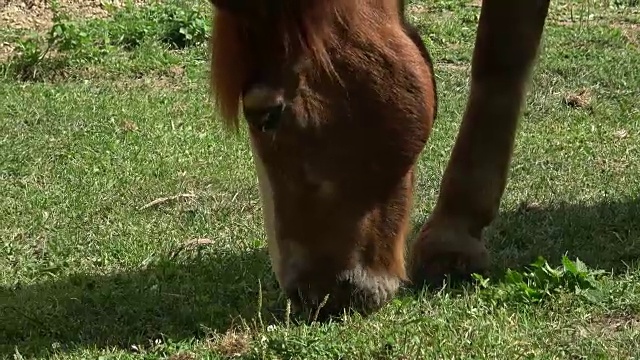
[(339, 98)]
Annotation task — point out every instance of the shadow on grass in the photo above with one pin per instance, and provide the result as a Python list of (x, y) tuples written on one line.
[(605, 235), (180, 299)]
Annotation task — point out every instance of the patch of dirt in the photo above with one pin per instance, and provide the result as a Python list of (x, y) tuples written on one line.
[(621, 134), (182, 356), (455, 66), (232, 344), (580, 99), (631, 33), (36, 15), (528, 206), (416, 9), (612, 324)]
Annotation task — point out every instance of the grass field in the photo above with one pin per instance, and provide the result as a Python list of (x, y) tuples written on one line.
[(118, 115)]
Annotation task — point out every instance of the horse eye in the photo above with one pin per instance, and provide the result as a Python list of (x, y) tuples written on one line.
[(266, 119)]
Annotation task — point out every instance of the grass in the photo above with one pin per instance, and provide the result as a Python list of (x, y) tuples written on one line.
[(94, 132)]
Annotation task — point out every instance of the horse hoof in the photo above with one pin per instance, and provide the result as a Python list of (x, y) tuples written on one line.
[(445, 253)]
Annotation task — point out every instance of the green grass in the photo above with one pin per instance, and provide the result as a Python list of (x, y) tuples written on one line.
[(109, 126)]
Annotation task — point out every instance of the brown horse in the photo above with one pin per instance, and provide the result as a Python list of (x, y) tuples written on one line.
[(340, 98)]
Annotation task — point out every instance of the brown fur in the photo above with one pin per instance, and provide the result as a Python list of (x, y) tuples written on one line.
[(239, 47), (360, 100), (231, 65)]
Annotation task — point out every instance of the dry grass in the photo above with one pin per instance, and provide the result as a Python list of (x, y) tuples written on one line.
[(233, 343), (579, 99), (36, 15)]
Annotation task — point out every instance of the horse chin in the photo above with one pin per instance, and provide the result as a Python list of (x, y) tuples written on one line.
[(355, 290)]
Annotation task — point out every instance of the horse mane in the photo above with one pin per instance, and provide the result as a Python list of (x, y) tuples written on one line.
[(307, 27)]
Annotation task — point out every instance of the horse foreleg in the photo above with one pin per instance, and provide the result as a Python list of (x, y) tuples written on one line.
[(506, 47)]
